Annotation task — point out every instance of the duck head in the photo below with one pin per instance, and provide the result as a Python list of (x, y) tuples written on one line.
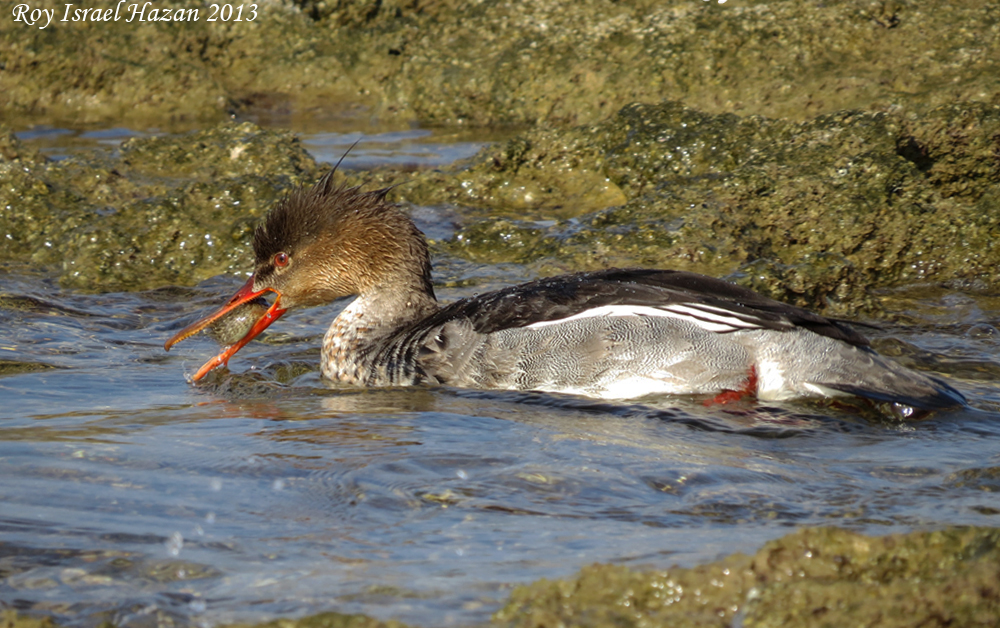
[(315, 246)]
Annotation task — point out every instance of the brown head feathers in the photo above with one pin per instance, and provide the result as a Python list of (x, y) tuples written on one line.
[(299, 218), (331, 240)]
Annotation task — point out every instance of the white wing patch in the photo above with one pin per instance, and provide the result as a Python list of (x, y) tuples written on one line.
[(707, 317), (625, 388)]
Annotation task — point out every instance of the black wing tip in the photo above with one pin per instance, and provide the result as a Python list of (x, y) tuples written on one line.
[(941, 397)]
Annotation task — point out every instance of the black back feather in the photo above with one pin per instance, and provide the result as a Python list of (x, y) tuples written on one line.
[(559, 297)]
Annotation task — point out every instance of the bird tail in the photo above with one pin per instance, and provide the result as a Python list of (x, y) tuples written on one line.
[(806, 364)]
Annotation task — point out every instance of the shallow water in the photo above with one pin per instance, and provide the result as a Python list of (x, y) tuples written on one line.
[(128, 494)]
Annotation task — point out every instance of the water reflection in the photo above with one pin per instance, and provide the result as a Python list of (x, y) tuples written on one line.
[(238, 500)]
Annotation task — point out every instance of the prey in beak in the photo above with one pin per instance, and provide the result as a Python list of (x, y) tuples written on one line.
[(235, 324)]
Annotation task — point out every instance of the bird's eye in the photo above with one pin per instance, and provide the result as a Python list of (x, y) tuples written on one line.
[(281, 260)]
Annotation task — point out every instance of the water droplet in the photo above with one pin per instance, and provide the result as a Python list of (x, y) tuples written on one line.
[(982, 331), (175, 543)]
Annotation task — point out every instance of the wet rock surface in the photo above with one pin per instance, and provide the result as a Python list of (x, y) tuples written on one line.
[(495, 62), (160, 211), (813, 577)]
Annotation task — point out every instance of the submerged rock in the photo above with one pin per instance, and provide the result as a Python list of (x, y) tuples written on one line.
[(327, 620)]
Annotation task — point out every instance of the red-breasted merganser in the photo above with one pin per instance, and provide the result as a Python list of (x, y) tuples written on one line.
[(614, 334)]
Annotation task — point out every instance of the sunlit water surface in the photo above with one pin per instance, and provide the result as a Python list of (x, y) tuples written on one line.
[(128, 494)]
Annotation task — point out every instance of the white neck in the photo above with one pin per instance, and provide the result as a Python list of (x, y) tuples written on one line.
[(362, 327)]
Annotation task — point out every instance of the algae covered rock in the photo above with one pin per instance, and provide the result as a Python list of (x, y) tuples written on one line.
[(813, 577), (155, 71), (227, 150), (829, 577), (560, 62), (567, 62), (816, 213), (163, 211), (957, 147)]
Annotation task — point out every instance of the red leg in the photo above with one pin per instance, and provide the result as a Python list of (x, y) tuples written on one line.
[(729, 396)]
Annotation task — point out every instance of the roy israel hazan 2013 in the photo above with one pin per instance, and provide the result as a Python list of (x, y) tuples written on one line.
[(134, 12)]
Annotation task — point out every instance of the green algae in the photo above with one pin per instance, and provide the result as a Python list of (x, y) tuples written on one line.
[(226, 151), (572, 62), (11, 619)]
